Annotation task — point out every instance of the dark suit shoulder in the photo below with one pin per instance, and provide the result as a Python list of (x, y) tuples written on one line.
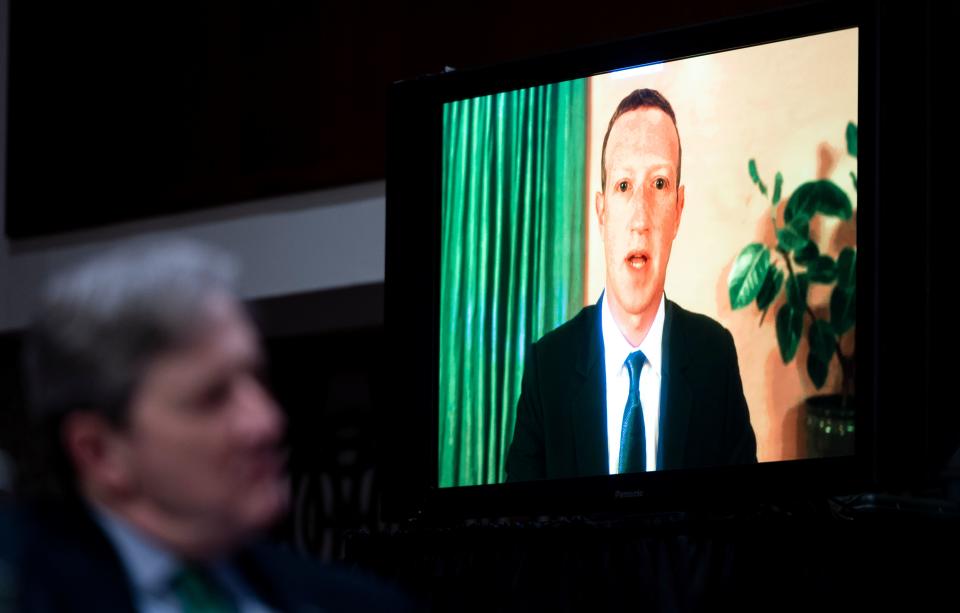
[(697, 328), (66, 563), (709, 421), (570, 332), (295, 582)]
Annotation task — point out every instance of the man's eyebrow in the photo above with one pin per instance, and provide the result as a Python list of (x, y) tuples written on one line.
[(658, 165)]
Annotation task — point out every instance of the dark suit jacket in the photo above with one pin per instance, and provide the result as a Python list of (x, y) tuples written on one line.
[(66, 563), (561, 427)]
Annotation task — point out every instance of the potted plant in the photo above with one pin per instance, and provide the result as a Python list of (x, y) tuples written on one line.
[(761, 272)]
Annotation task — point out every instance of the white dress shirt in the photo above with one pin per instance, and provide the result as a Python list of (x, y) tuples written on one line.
[(616, 348)]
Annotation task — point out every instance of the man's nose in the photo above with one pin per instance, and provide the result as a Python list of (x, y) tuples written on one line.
[(260, 418), (639, 215)]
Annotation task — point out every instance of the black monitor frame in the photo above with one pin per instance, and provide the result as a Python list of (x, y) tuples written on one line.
[(409, 435)]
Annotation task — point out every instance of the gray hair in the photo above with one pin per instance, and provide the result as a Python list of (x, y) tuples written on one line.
[(99, 324)]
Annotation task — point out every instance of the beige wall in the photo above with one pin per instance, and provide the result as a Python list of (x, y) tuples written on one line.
[(787, 105)]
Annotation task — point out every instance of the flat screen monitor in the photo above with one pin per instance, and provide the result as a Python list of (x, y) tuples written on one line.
[(631, 271)]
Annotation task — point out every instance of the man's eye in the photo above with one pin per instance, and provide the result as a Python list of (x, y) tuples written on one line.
[(213, 397), (660, 183), (622, 186)]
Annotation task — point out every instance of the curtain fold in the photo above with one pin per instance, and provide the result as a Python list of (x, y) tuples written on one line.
[(512, 257)]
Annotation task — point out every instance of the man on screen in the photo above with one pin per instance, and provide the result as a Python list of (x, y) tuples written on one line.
[(633, 383)]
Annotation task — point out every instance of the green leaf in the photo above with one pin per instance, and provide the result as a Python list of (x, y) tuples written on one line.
[(853, 176), (822, 341), (847, 268), (822, 270), (755, 176), (833, 201), (800, 207), (797, 291), (771, 287), (852, 139), (777, 188), (800, 224), (790, 239), (747, 275), (816, 197), (843, 309), (807, 254), (817, 370), (788, 332), (830, 200)]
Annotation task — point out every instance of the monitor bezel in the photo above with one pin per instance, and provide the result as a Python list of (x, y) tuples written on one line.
[(409, 450)]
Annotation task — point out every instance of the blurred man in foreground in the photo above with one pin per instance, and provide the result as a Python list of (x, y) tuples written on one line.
[(144, 369)]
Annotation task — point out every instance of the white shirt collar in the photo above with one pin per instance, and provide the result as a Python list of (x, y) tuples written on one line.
[(616, 347)]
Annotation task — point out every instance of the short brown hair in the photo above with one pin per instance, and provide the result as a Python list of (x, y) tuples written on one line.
[(637, 99)]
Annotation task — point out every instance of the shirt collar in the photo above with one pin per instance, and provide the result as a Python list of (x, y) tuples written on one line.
[(616, 347), (149, 566)]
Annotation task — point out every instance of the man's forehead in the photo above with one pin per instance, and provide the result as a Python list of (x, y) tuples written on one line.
[(646, 127), (227, 340)]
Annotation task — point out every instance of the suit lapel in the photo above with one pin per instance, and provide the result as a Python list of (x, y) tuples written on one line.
[(676, 400), (69, 561), (256, 571), (588, 400)]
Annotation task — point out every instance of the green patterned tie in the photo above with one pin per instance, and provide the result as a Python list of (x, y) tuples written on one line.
[(633, 439), (200, 592)]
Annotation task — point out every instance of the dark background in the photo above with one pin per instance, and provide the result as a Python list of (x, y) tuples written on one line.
[(175, 106), (120, 110)]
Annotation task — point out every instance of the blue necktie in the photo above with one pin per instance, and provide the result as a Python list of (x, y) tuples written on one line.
[(633, 439)]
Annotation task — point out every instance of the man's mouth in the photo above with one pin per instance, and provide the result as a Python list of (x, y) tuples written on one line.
[(267, 463), (637, 259)]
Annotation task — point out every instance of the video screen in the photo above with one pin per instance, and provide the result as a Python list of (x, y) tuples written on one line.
[(652, 268)]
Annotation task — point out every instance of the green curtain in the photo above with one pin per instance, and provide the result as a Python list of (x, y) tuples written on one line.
[(512, 259)]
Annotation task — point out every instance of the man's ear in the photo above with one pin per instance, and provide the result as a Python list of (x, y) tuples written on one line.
[(97, 450), (600, 206), (680, 194)]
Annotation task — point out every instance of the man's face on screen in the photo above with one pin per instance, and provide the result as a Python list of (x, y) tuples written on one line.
[(639, 212)]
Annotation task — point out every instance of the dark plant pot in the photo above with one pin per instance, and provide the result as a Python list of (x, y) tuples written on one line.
[(830, 427)]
